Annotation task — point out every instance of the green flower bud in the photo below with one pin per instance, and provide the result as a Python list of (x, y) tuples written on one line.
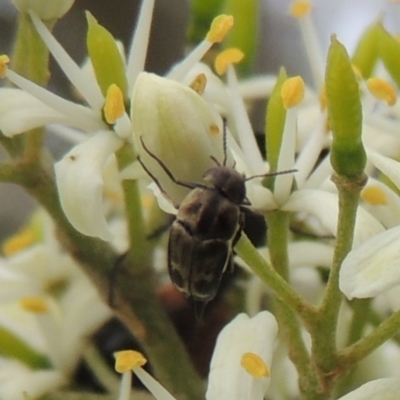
[(106, 59), (244, 35), (44, 9), (367, 51), (389, 51), (275, 121), (348, 157)]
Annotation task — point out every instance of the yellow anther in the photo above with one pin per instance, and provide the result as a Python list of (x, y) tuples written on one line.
[(226, 58), (128, 359), (199, 83), (382, 90), (214, 130), (19, 242), (114, 107), (300, 9), (292, 92), (374, 195), (254, 365), (4, 60), (219, 28), (35, 305)]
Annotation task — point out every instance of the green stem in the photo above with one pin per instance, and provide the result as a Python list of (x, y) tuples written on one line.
[(358, 351), (360, 319), (289, 326), (30, 55), (278, 228), (139, 247), (30, 59), (324, 329), (259, 265)]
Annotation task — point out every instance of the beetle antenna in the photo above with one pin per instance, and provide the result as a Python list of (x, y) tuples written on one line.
[(189, 185), (288, 171), (215, 160), (224, 141)]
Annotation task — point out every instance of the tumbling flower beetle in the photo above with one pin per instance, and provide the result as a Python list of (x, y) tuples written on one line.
[(207, 227)]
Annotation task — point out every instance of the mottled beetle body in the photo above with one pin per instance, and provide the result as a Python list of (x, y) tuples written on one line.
[(208, 224)]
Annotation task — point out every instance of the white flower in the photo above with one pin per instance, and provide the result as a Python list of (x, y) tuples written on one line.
[(240, 366), (18, 382), (372, 267), (52, 307), (228, 379), (82, 191), (379, 389), (44, 9)]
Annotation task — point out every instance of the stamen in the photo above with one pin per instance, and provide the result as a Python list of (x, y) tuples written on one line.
[(35, 305), (300, 9), (128, 359), (254, 365), (4, 60), (226, 58), (18, 242), (292, 92), (219, 28), (199, 83), (114, 107), (382, 90), (374, 195)]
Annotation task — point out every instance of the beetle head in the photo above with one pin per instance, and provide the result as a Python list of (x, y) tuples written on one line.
[(228, 182)]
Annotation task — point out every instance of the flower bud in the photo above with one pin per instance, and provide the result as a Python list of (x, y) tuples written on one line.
[(348, 156), (179, 128), (44, 9)]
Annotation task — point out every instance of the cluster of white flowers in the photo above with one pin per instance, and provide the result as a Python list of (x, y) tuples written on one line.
[(178, 117), (48, 311)]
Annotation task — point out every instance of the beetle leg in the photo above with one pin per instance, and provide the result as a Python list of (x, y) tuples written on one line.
[(240, 229)]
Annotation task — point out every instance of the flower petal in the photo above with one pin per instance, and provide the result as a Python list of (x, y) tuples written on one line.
[(21, 112), (80, 183), (85, 84), (17, 382), (372, 267), (388, 166), (324, 206), (228, 379)]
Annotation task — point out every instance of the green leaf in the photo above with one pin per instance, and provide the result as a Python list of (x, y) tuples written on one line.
[(244, 34), (275, 121), (348, 156), (389, 51), (106, 59), (367, 51), (13, 347)]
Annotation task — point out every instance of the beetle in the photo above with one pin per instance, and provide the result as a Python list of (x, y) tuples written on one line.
[(208, 224)]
